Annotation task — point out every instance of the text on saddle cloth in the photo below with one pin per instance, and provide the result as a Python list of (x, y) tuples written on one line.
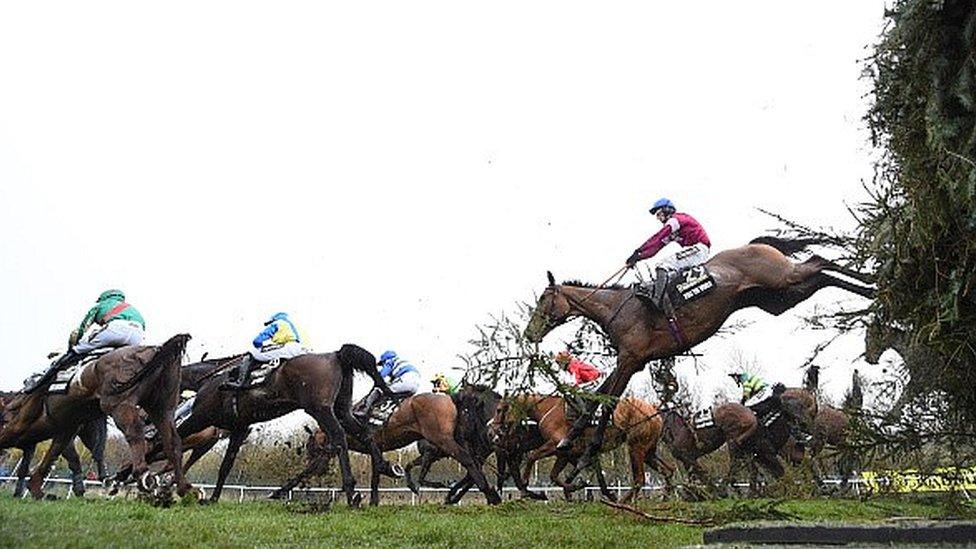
[(382, 412)]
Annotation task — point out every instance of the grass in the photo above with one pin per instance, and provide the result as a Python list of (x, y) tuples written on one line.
[(101, 523)]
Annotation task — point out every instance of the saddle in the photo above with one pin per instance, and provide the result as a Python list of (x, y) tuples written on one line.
[(62, 379), (381, 413), (681, 288), (260, 373)]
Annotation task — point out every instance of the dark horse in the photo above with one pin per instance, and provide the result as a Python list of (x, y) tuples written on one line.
[(92, 435), (756, 275), (118, 384), (319, 384), (429, 416)]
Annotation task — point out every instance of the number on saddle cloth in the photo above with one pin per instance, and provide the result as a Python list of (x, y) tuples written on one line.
[(382, 412), (261, 372), (62, 379), (703, 419)]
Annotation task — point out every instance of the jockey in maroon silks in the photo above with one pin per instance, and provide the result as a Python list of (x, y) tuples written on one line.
[(678, 227)]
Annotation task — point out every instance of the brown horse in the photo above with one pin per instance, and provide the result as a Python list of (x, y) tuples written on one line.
[(92, 435), (319, 384), (635, 422), (734, 424), (756, 275), (118, 384), (429, 416)]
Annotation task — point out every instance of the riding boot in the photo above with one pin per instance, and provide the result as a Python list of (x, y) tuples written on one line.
[(365, 407), (661, 298), (239, 383), (61, 363)]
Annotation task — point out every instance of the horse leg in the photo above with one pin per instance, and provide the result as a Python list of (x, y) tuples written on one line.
[(234, 443), (662, 468), (70, 454), (93, 435), (459, 453), (58, 443), (172, 446), (637, 454), (602, 481), (543, 451), (128, 420), (557, 468), (198, 453), (22, 469), (458, 489), (337, 436), (352, 425), (593, 448), (583, 421)]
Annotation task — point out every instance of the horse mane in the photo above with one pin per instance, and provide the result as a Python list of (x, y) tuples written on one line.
[(580, 284), (788, 246)]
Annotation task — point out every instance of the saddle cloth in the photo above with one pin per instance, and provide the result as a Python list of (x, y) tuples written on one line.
[(382, 412), (261, 372), (689, 285), (62, 380), (703, 419), (682, 288)]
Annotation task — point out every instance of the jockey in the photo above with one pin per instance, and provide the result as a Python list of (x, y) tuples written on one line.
[(402, 377), (753, 387), (280, 339), (678, 227), (584, 374), (121, 325), (584, 378), (444, 384)]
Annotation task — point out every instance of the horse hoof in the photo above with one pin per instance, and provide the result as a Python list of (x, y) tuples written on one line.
[(50, 497), (357, 501)]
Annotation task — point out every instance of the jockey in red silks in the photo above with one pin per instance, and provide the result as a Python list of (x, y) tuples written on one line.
[(583, 373), (678, 227)]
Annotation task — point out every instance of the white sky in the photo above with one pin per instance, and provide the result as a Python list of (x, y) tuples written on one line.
[(392, 173)]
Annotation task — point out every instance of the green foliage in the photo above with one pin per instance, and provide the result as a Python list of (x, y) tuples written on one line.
[(918, 230)]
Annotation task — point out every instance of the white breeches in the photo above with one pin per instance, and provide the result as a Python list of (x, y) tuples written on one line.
[(117, 333), (686, 257)]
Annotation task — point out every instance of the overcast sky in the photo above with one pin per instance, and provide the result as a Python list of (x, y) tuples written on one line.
[(392, 173)]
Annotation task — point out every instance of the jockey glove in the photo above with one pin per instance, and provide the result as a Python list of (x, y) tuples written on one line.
[(632, 260)]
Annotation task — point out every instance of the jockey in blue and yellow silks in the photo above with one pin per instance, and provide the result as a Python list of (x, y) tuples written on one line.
[(280, 339)]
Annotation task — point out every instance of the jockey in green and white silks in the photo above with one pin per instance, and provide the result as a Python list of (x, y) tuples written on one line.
[(120, 325), (754, 389)]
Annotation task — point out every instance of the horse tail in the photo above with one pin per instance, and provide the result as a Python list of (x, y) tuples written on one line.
[(167, 354), (788, 246), (353, 358)]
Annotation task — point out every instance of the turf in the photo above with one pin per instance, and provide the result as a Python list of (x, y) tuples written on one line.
[(98, 522)]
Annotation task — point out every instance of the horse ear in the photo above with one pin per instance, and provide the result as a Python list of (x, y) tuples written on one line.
[(552, 279), (204, 357)]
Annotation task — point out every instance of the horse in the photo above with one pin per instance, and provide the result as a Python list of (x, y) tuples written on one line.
[(425, 416), (733, 424), (479, 404), (756, 275), (92, 435), (318, 383), (636, 422), (116, 384)]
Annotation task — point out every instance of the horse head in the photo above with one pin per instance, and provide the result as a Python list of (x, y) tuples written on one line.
[(552, 310)]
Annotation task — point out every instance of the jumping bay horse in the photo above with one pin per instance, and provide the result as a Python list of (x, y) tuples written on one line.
[(756, 275), (635, 422), (118, 384), (429, 416)]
